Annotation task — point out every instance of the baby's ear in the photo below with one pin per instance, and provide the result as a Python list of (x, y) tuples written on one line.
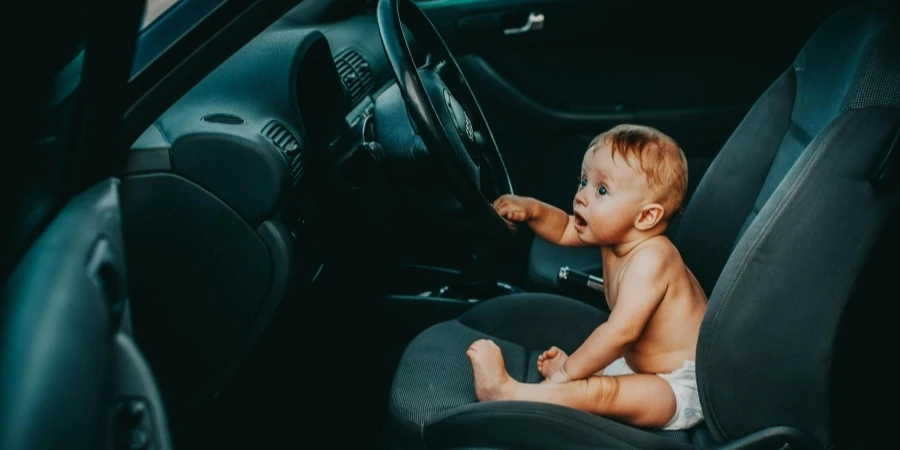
[(649, 216)]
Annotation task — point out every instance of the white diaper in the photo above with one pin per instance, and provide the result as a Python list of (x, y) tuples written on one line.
[(683, 382)]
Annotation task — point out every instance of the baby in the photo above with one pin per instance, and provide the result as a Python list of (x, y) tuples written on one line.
[(638, 366)]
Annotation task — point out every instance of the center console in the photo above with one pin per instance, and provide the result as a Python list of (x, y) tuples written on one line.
[(419, 296), (442, 284)]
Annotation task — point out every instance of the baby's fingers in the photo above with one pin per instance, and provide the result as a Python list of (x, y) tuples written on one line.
[(503, 209), (509, 212), (511, 219)]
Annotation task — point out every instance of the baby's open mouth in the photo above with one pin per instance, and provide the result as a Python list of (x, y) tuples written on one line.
[(579, 221)]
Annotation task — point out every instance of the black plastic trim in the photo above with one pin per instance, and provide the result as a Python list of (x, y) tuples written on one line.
[(277, 240), (245, 173), (190, 252), (149, 160)]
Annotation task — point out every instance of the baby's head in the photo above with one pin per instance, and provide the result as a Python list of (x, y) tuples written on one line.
[(632, 182)]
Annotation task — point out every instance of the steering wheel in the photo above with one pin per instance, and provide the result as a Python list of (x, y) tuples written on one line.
[(446, 114)]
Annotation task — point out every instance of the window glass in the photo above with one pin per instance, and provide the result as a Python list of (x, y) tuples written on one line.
[(154, 9)]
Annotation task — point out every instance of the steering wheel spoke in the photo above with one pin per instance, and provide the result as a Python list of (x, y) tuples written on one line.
[(434, 62)]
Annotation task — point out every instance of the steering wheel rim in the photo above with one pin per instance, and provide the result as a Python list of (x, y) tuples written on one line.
[(446, 113)]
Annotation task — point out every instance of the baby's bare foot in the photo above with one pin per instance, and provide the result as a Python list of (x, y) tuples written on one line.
[(550, 361), (492, 382)]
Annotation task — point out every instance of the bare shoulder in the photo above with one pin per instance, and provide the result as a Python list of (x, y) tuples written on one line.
[(645, 277), (655, 254), (652, 258)]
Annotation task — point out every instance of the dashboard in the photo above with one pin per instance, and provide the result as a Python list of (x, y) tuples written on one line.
[(249, 132), (218, 194), (313, 81)]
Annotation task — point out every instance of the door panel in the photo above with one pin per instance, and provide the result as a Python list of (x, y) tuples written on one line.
[(62, 312), (690, 68)]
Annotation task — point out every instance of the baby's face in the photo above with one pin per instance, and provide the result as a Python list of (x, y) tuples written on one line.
[(610, 196)]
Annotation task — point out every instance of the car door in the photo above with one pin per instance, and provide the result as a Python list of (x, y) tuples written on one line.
[(552, 74), (70, 374)]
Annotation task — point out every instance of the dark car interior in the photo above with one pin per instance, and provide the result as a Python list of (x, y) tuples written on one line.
[(298, 249)]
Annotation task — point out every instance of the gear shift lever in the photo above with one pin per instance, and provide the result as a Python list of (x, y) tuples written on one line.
[(584, 286), (575, 278)]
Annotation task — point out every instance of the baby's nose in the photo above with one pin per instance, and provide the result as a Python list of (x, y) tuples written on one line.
[(581, 198)]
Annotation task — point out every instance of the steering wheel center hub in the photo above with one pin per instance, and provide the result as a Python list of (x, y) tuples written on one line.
[(459, 116)]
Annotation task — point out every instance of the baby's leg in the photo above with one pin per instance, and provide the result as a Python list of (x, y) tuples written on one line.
[(640, 399)]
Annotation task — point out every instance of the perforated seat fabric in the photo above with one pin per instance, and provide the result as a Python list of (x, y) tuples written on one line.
[(777, 233)]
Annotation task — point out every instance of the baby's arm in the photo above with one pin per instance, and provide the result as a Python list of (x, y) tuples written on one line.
[(641, 289), (547, 221)]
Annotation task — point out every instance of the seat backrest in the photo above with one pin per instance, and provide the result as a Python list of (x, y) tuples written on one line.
[(780, 227)]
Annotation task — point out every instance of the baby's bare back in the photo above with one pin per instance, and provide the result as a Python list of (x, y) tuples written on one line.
[(669, 337)]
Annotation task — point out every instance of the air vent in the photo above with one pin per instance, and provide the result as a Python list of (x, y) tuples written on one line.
[(290, 146), (227, 119), (355, 73)]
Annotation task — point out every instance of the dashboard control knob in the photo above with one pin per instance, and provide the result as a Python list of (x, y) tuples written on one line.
[(131, 413)]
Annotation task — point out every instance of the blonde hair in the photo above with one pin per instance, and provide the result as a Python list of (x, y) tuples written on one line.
[(658, 158)]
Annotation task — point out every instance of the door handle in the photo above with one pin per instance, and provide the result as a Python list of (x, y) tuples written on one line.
[(535, 22), (104, 270)]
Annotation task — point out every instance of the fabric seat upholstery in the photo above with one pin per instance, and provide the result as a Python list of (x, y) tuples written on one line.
[(846, 70), (517, 323), (777, 233)]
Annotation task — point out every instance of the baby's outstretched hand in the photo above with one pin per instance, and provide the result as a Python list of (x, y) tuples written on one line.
[(514, 208)]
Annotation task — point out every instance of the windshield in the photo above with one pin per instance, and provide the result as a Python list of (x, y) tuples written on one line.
[(154, 8), (166, 21)]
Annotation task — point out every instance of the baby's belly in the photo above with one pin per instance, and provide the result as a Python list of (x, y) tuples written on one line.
[(644, 361)]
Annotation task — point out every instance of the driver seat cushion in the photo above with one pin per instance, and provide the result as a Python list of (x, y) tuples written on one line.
[(434, 379)]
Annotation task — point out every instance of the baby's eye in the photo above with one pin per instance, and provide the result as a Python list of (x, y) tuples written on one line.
[(602, 190), (582, 182)]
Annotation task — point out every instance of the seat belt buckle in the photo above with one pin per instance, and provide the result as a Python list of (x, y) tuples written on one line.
[(570, 277)]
